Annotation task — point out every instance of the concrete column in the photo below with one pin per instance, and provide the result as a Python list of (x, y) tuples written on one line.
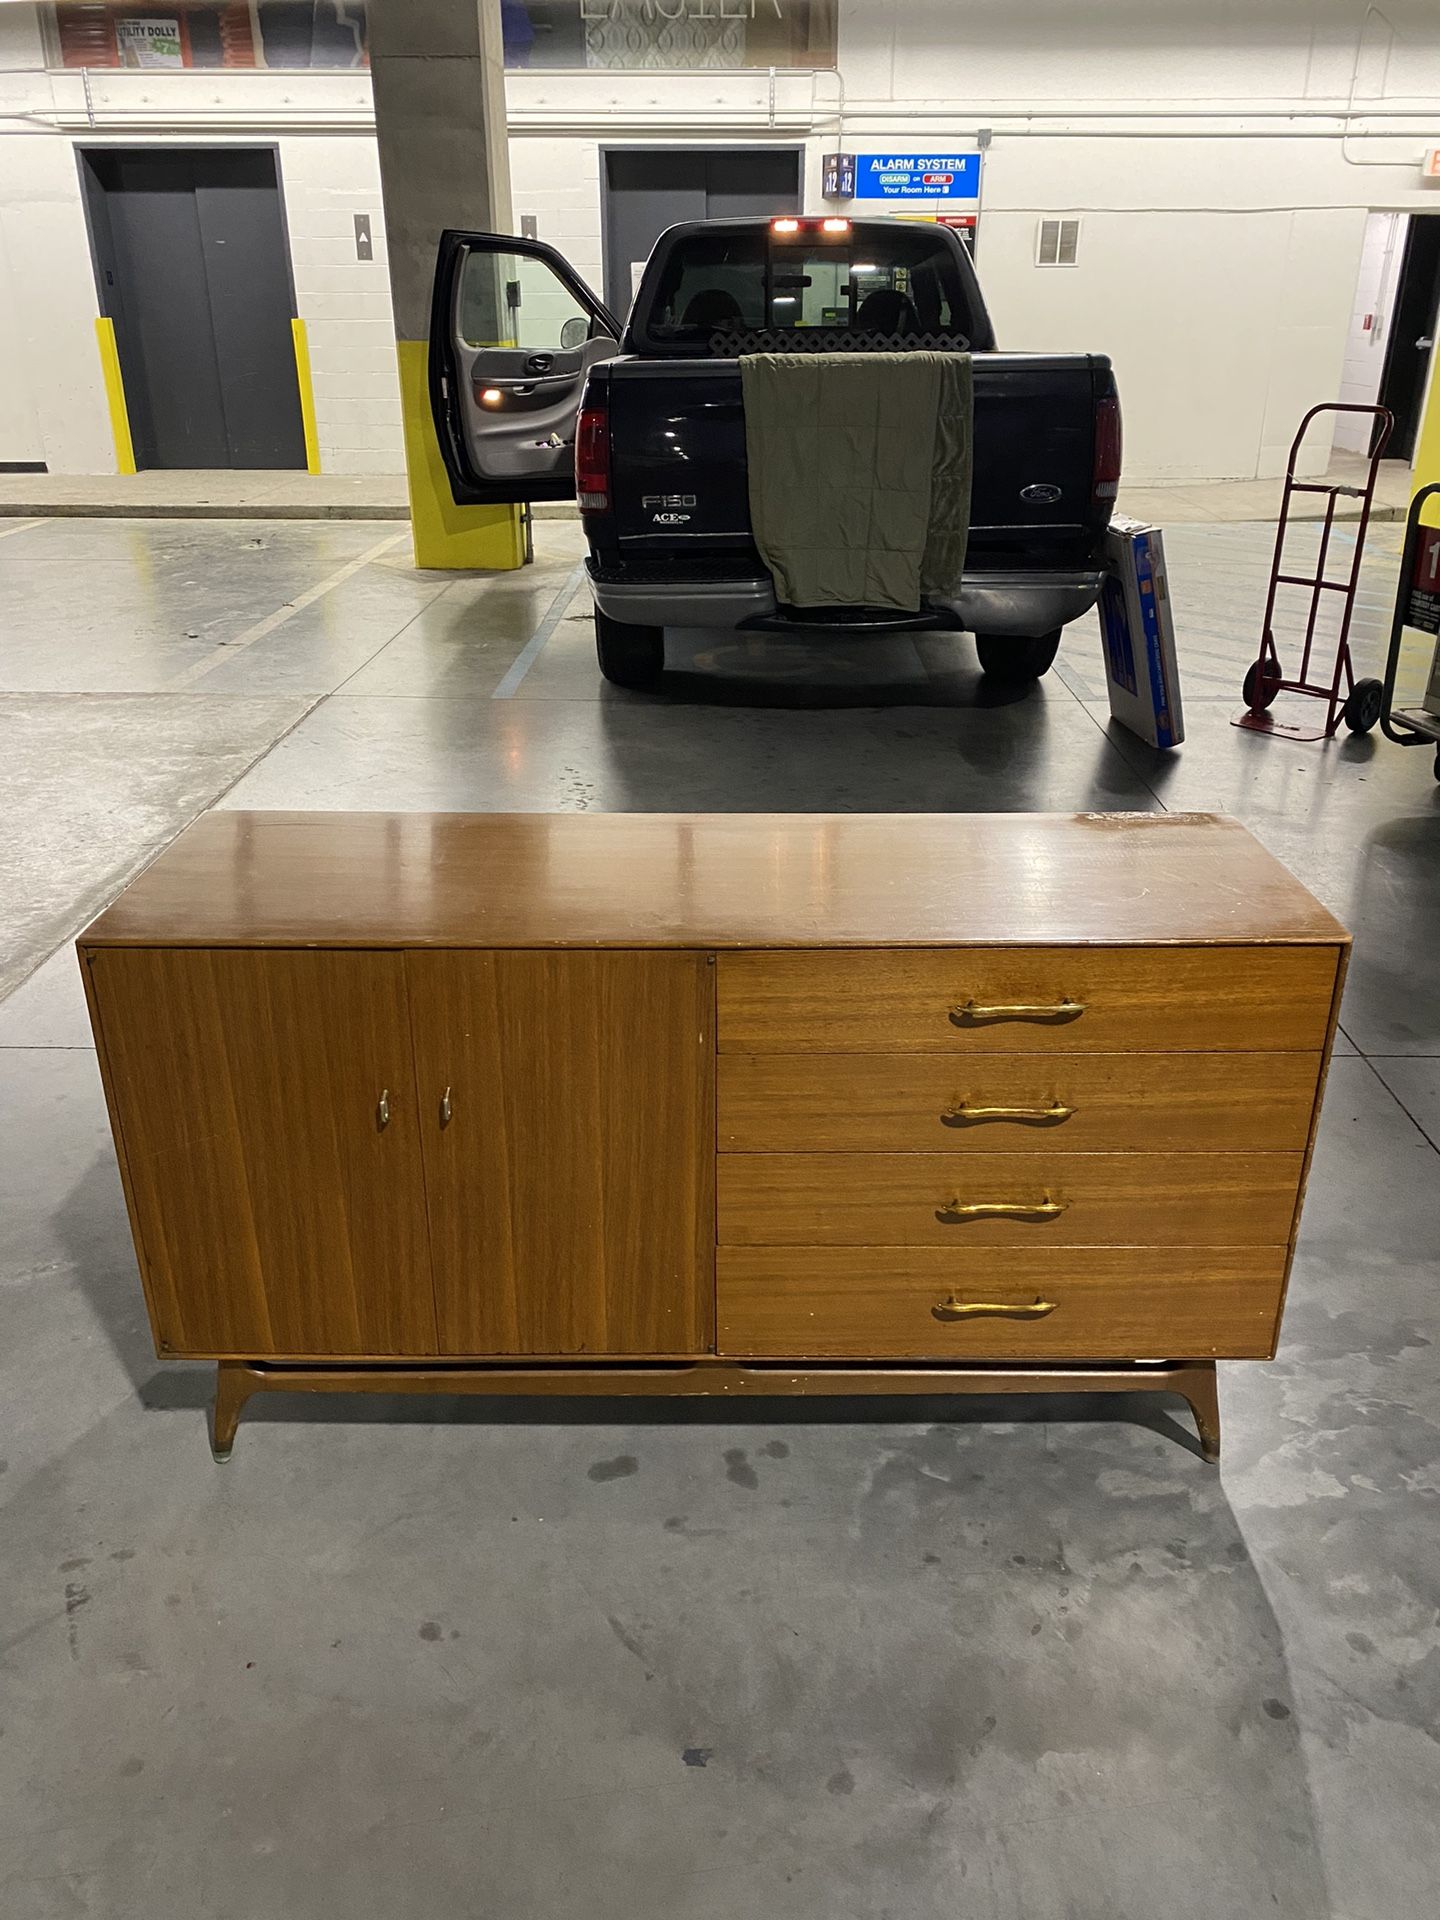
[(438, 68)]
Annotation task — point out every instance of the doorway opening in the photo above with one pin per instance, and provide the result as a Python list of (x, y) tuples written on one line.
[(1412, 332), (647, 189), (1368, 337), (193, 270)]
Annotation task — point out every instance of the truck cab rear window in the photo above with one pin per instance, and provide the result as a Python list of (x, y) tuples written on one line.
[(903, 284)]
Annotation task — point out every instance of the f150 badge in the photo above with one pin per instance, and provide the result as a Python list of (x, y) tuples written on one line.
[(667, 503)]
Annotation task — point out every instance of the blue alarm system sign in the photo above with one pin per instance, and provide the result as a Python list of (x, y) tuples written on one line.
[(916, 176)]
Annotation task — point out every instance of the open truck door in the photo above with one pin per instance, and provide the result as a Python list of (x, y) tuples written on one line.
[(513, 333)]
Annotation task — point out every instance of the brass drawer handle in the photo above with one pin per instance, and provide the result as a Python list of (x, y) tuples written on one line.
[(1046, 1209), (446, 1110), (962, 1112), (953, 1309), (1066, 1009), (382, 1110)]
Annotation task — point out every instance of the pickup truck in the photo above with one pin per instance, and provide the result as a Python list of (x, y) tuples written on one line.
[(539, 394)]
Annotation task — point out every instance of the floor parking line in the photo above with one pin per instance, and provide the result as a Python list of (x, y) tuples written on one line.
[(530, 652), (263, 628)]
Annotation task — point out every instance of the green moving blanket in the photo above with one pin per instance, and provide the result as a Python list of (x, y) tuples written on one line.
[(860, 474)]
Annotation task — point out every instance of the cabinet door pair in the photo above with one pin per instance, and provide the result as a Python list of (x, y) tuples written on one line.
[(381, 1154)]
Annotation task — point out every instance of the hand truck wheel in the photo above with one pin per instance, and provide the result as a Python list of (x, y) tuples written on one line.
[(1362, 706), (1263, 679)]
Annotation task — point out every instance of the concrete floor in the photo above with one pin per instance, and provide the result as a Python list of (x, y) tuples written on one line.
[(1028, 1662)]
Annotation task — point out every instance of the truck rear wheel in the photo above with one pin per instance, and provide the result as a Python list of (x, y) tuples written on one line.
[(629, 656), (1013, 659)]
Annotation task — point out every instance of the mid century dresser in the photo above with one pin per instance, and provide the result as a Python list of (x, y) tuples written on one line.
[(714, 1104)]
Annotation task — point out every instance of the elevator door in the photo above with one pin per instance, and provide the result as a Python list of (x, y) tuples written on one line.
[(648, 189), (192, 265)]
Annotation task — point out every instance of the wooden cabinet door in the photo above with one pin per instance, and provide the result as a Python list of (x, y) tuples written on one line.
[(570, 1171), (265, 1103)]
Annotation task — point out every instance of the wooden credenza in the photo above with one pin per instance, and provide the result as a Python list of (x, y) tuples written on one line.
[(717, 1103)]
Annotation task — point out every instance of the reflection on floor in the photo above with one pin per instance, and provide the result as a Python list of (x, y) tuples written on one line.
[(988, 1660)]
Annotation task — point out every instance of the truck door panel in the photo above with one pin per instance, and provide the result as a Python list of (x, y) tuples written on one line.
[(513, 334)]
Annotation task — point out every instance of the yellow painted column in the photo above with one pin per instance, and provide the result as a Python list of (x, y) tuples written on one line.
[(307, 395), (1425, 466), (437, 72), (446, 535), (115, 394)]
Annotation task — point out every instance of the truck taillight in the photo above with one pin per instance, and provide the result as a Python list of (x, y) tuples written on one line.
[(592, 460), (1106, 481)]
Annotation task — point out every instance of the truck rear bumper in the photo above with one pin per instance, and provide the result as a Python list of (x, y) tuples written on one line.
[(1005, 603)]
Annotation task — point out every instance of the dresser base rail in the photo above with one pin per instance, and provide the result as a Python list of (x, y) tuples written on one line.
[(237, 1380)]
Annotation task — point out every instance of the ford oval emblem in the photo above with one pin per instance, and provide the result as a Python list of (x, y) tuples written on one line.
[(1041, 494)]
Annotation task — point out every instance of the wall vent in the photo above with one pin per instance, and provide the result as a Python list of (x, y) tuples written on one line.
[(1057, 243)]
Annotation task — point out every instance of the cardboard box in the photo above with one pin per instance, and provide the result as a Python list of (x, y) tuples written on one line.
[(1138, 635)]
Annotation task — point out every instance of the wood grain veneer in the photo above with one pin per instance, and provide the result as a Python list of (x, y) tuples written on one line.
[(564, 1103), (274, 1213), (877, 1303), (1159, 1200), (712, 880), (1134, 999), (571, 1191), (1112, 1102)]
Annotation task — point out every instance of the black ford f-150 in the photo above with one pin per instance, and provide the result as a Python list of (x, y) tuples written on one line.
[(538, 395)]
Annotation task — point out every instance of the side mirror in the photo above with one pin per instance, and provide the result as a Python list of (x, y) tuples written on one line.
[(574, 333)]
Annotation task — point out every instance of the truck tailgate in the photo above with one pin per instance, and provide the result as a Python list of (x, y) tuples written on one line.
[(677, 432)]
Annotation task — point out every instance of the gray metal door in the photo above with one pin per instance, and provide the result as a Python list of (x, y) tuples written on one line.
[(648, 189), (192, 266)]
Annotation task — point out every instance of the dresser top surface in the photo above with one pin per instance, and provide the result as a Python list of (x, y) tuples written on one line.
[(727, 880)]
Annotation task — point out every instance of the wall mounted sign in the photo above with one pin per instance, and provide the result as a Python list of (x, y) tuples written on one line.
[(1423, 612), (149, 43), (643, 34), (914, 176), (837, 176), (964, 224)]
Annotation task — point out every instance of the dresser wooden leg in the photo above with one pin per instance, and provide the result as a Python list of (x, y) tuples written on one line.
[(1200, 1388), (234, 1384), (236, 1380)]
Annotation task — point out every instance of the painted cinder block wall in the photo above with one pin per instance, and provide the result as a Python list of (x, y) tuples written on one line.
[(344, 301), (1223, 218)]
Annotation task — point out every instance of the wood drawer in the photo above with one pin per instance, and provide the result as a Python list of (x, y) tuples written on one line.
[(1109, 1303), (1134, 1000), (1118, 1102), (1106, 1199)]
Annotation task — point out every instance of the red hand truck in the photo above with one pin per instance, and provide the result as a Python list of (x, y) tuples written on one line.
[(1417, 605), (1359, 705)]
